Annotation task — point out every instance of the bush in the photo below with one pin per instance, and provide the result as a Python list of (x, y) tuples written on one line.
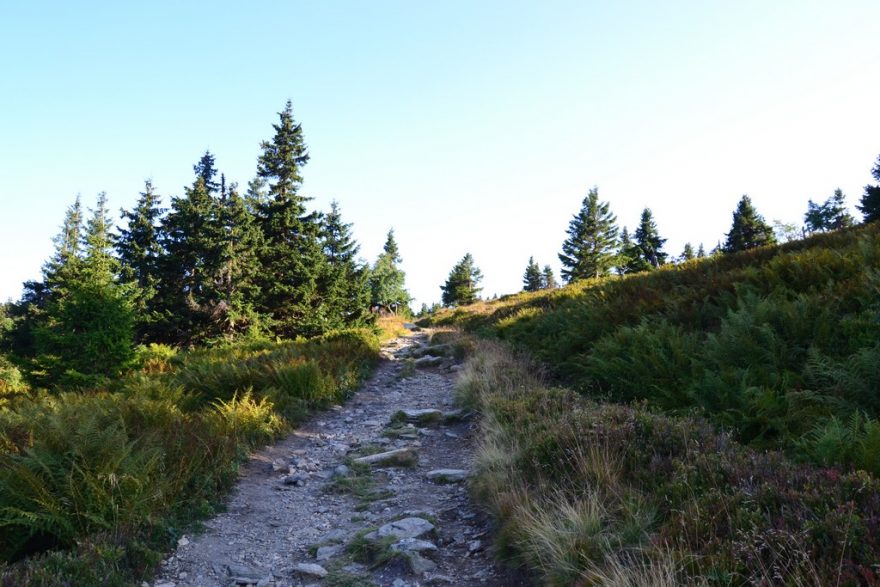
[(585, 491)]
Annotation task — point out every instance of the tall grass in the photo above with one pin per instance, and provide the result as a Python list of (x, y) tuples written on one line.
[(773, 344), (591, 493), (95, 485)]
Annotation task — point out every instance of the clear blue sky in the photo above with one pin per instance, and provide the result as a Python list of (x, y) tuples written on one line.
[(467, 126)]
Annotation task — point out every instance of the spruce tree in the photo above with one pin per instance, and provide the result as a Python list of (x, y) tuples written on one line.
[(292, 259), (701, 251), (238, 269), (192, 239), (345, 282), (688, 253), (140, 252), (532, 278), (749, 230), (627, 257), (88, 324), (461, 287), (831, 215), (869, 205), (548, 280), (387, 281), (592, 236), (648, 246)]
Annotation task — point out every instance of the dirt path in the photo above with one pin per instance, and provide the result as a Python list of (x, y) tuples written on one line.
[(305, 513)]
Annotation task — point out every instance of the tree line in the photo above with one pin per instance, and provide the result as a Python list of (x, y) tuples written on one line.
[(596, 247), (215, 265)]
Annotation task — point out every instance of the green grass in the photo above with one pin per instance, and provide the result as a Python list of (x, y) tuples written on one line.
[(95, 485), (777, 344), (596, 493)]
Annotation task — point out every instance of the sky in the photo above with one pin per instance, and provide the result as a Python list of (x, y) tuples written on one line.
[(467, 126)]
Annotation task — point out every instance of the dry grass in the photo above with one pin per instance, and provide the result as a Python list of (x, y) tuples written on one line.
[(391, 327)]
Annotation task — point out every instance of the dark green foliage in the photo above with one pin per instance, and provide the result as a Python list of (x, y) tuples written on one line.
[(831, 215), (548, 280), (869, 205), (387, 280), (345, 284), (688, 253), (701, 252), (647, 250), (627, 254), (86, 325), (140, 253), (748, 230), (657, 484), (589, 250), (462, 285), (292, 258), (771, 343), (532, 278), (96, 485)]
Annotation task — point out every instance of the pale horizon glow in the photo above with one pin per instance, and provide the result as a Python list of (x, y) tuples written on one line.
[(467, 127)]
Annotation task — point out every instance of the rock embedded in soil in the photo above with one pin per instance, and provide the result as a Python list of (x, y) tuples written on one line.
[(399, 456), (310, 569), (405, 528), (422, 416), (447, 475), (413, 545), (326, 552), (429, 361)]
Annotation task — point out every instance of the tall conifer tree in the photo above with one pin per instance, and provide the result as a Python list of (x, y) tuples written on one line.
[(140, 253), (462, 285), (749, 230), (592, 236), (292, 258), (548, 280), (648, 245), (869, 205), (532, 278), (387, 280), (345, 282)]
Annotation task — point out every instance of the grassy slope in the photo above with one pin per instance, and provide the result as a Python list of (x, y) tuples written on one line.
[(727, 376), (95, 485), (780, 345)]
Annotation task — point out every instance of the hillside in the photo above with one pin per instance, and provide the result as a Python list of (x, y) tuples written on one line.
[(780, 344), (712, 423)]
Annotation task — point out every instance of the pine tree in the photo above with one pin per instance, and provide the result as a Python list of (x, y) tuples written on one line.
[(869, 205), (292, 259), (87, 328), (548, 280), (192, 239), (346, 282), (831, 215), (648, 246), (387, 281), (627, 257), (688, 253), (592, 235), (238, 268), (749, 230), (532, 278), (461, 287), (139, 252)]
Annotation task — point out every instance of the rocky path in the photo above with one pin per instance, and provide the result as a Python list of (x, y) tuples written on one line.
[(370, 493)]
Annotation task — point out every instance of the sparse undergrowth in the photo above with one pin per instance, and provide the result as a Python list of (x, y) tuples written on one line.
[(95, 485), (591, 493)]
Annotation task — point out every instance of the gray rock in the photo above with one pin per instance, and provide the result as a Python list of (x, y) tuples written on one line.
[(298, 479), (310, 569), (413, 545), (428, 361), (165, 584), (447, 475), (419, 564), (326, 552), (243, 573), (405, 528), (398, 456), (341, 471), (474, 546), (421, 416)]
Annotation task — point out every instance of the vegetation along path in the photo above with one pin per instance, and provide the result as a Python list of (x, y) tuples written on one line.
[(370, 493)]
